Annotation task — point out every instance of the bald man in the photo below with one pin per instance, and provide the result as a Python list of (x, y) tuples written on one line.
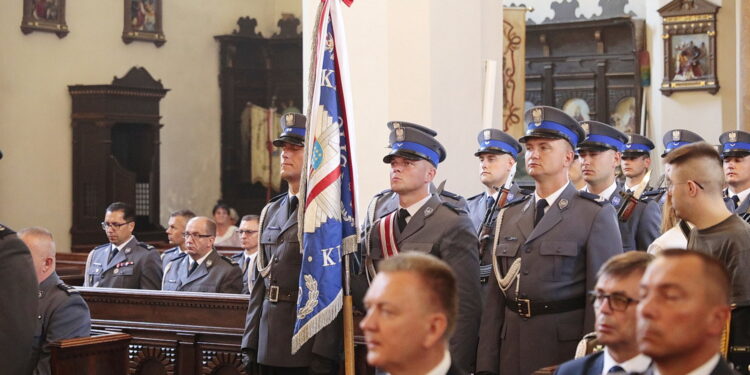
[(63, 313)]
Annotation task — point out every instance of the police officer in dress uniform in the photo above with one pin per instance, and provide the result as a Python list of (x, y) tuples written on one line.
[(635, 165), (735, 147), (202, 269), (123, 262), (422, 221), (639, 221), (549, 248), (175, 234), (63, 314), (497, 155), (271, 314)]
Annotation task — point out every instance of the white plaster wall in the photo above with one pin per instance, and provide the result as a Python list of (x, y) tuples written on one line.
[(35, 131)]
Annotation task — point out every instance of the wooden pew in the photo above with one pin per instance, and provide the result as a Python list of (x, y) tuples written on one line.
[(179, 332), (103, 353)]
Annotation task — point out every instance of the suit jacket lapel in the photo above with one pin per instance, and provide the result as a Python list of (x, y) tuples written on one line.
[(598, 366), (202, 269), (525, 222), (554, 214), (417, 221), (118, 258), (291, 220)]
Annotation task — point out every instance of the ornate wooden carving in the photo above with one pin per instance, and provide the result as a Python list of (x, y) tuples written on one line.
[(222, 361), (115, 153), (264, 72), (145, 359)]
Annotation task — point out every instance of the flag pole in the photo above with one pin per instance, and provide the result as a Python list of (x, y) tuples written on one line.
[(348, 319)]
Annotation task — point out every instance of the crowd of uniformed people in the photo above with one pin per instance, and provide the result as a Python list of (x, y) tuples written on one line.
[(525, 271)]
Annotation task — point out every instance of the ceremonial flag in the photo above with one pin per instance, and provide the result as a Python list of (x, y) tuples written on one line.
[(329, 229)]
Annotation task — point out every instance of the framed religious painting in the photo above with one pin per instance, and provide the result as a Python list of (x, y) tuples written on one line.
[(143, 22), (44, 15), (689, 46)]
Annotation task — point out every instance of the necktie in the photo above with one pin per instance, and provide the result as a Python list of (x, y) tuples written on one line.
[(736, 201), (293, 202), (192, 268), (244, 265), (402, 215), (616, 370), (490, 203), (540, 206), (112, 254)]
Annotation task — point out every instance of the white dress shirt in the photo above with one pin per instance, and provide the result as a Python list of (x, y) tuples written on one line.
[(550, 198), (415, 207), (637, 364)]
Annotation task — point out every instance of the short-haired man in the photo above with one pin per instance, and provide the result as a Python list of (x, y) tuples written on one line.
[(272, 311), (549, 248), (202, 269), (175, 234), (575, 173), (248, 232), (424, 222), (615, 298), (636, 164), (497, 155), (672, 140), (684, 305), (411, 312), (63, 314), (123, 262), (735, 148), (601, 152), (696, 180)]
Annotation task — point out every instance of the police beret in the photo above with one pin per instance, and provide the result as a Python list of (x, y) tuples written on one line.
[(735, 143), (293, 126), (638, 145), (414, 142), (549, 122), (600, 136), (494, 141), (677, 138)]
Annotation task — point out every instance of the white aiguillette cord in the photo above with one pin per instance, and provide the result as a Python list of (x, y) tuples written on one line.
[(515, 268)]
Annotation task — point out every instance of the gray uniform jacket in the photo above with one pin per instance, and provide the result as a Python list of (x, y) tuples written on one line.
[(136, 266), (269, 325), (18, 303), (441, 229), (63, 314), (559, 261), (239, 258), (642, 228), (477, 206), (217, 274), (170, 255)]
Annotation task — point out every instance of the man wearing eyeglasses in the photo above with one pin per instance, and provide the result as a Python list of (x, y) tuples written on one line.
[(248, 233), (176, 235), (615, 300), (695, 181), (123, 262), (202, 269)]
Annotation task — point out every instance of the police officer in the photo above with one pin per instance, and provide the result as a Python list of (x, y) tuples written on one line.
[(248, 233), (600, 150), (677, 138), (636, 163), (175, 235), (123, 262), (424, 222), (202, 269), (272, 311), (549, 248), (735, 147), (63, 314)]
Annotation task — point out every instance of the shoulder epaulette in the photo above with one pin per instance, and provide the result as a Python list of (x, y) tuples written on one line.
[(474, 197), (448, 194), (5, 231), (101, 246), (382, 193), (277, 197), (517, 199), (146, 246), (525, 191), (455, 208), (229, 260), (593, 197), (68, 289)]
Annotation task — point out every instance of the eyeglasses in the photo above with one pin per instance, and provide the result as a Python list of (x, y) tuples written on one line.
[(617, 302), (669, 184), (241, 232), (106, 225), (196, 235)]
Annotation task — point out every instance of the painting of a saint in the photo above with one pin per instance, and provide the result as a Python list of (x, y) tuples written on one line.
[(690, 56), (624, 118), (578, 109), (143, 15), (46, 10)]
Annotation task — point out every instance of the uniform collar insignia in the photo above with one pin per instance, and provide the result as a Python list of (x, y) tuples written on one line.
[(563, 203), (209, 263), (428, 211)]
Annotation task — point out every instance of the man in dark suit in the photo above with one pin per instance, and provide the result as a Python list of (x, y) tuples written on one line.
[(683, 309), (175, 234), (248, 233), (615, 299), (272, 311), (123, 262), (735, 148), (202, 269), (601, 152), (424, 222), (549, 247), (411, 313), (63, 314)]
